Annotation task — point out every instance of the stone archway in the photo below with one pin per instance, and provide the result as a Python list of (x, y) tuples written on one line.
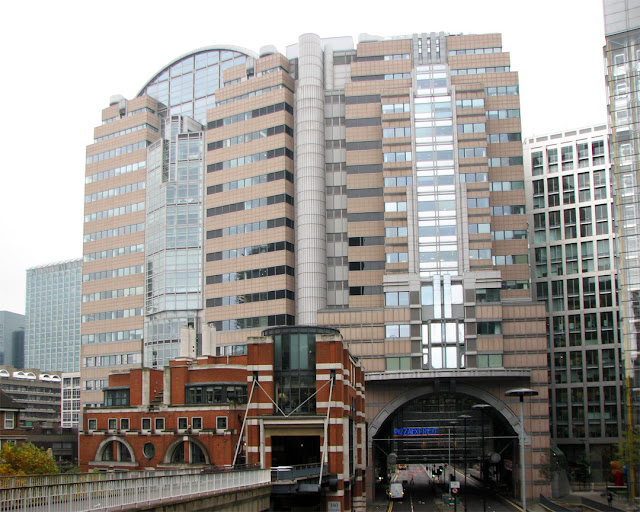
[(465, 389)]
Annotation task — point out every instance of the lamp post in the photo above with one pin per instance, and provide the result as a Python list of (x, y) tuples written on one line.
[(464, 418), (453, 426), (482, 408), (521, 393)]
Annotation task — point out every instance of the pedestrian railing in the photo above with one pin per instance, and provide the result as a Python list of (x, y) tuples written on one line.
[(125, 492)]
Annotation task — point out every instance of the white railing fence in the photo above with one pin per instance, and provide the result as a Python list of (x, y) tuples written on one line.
[(103, 494)]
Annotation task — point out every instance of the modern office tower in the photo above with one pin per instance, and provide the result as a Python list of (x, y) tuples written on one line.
[(376, 188), (622, 52), (52, 339), (572, 240), (12, 338)]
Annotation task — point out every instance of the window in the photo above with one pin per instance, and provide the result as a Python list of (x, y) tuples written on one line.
[(584, 183), (571, 256), (537, 163), (602, 220), (183, 423), (583, 155), (599, 185), (554, 226), (570, 230), (567, 158), (556, 260), (552, 159), (221, 423), (9, 420), (538, 194), (586, 228), (589, 292), (557, 294), (92, 424), (554, 192), (604, 261), (159, 424), (112, 423), (568, 189), (146, 424), (116, 397), (397, 331), (540, 225), (396, 298), (597, 151), (124, 423), (196, 423), (490, 361), (489, 328), (149, 450), (541, 261)]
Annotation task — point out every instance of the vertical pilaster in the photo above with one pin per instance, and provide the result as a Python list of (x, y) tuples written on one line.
[(310, 202)]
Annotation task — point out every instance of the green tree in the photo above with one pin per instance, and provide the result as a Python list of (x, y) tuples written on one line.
[(628, 451), (26, 459)]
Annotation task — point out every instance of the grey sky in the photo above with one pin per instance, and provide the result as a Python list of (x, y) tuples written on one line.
[(63, 60)]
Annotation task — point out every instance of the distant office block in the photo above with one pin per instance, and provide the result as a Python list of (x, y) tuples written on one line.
[(53, 317), (12, 339)]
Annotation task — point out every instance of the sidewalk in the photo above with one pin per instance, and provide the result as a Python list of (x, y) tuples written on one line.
[(618, 502)]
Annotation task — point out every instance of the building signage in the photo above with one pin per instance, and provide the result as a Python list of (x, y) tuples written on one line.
[(419, 431)]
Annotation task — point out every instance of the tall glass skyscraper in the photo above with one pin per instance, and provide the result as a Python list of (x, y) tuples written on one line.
[(53, 299)]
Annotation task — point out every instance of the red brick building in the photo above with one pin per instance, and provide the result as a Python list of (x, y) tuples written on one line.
[(293, 397), (10, 429)]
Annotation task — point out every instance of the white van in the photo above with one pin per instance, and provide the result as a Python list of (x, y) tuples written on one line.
[(395, 491)]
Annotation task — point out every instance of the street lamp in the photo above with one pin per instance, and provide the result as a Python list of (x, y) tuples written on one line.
[(453, 426), (482, 408), (521, 393), (464, 418)]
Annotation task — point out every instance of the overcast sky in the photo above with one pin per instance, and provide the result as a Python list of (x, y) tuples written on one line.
[(63, 60)]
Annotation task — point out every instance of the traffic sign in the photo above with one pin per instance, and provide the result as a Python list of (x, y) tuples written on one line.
[(454, 484), (454, 490)]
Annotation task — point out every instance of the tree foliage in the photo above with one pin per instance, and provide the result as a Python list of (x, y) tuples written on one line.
[(628, 451), (26, 459)]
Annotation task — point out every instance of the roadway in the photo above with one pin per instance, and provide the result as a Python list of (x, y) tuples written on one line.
[(423, 493)]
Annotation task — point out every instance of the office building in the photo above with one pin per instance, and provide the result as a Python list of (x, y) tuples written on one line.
[(376, 188), (572, 244), (53, 317), (622, 53), (12, 338)]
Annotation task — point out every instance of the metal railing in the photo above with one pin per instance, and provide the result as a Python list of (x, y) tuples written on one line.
[(72, 478), (125, 492), (289, 473), (550, 505)]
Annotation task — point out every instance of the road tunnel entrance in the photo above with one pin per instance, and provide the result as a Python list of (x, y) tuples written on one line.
[(450, 430)]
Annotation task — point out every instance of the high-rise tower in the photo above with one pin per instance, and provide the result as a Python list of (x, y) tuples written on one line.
[(378, 189)]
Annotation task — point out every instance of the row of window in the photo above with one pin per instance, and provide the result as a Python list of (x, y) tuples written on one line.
[(232, 300), (183, 423), (108, 233), (109, 337), (113, 192), (252, 94), (250, 204), (112, 360), (597, 157), (251, 114), (249, 182), (250, 159), (505, 161), (255, 273), (249, 137), (114, 212), (254, 322), (116, 272), (112, 253), (480, 71), (125, 169), (250, 251), (250, 227), (129, 148), (111, 315), (215, 394), (386, 76), (127, 131)]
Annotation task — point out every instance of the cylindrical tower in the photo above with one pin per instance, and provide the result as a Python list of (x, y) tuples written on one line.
[(310, 202)]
